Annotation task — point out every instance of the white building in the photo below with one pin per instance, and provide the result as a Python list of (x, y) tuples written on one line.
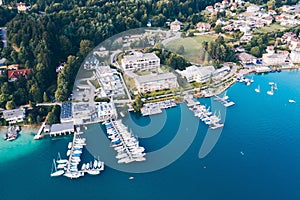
[(106, 111), (295, 56), (198, 74), (62, 129), (253, 8), (149, 83), (274, 58), (14, 116), (246, 58), (139, 62)]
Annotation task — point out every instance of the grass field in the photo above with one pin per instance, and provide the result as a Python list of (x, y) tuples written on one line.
[(193, 50), (272, 28)]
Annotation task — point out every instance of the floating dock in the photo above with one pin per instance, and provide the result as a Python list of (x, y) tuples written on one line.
[(157, 107), (224, 100)]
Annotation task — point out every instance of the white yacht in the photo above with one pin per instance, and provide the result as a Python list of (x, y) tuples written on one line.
[(292, 101), (257, 89), (270, 92), (93, 172), (70, 145)]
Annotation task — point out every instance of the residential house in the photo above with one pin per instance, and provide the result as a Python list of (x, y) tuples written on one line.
[(246, 58), (140, 61), (21, 7), (14, 75), (287, 37), (150, 83), (175, 25), (253, 9), (267, 20), (294, 43), (197, 74), (209, 8), (203, 26), (14, 116), (13, 67), (272, 12)]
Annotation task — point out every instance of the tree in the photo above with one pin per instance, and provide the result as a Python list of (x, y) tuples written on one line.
[(45, 97), (271, 4), (255, 51), (10, 105), (85, 47)]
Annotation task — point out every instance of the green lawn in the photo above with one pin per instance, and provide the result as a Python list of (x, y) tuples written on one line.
[(193, 50), (272, 28)]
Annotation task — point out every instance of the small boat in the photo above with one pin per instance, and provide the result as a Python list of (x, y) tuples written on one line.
[(83, 166), (93, 172), (54, 171), (271, 83), (131, 178), (70, 145), (95, 164), (12, 133), (270, 92), (257, 89), (87, 165), (68, 152), (61, 166), (292, 101), (242, 153)]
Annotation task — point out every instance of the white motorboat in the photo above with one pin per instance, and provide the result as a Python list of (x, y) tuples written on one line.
[(257, 89), (95, 165), (87, 166), (292, 101), (62, 161), (70, 145), (61, 166), (83, 166), (93, 172), (68, 152)]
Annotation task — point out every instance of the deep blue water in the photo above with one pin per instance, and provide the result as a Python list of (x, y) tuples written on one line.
[(255, 156)]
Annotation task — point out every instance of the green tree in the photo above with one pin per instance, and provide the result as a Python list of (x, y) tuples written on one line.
[(45, 97), (255, 51), (10, 105)]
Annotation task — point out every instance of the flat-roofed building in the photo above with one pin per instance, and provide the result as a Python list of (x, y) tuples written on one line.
[(295, 56), (197, 74), (275, 58), (149, 83), (66, 112), (140, 61), (62, 129), (246, 58), (106, 111), (14, 116)]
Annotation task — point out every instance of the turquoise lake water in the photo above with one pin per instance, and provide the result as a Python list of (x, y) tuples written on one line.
[(255, 156)]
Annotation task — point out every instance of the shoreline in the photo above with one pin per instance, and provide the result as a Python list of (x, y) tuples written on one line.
[(32, 128)]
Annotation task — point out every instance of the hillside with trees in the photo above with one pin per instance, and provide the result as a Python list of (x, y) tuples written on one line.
[(52, 32)]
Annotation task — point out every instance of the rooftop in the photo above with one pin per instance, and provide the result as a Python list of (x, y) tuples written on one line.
[(13, 113), (62, 127), (138, 55), (66, 110), (154, 77)]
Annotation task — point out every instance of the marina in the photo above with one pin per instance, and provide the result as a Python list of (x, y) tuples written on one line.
[(206, 116), (224, 100), (157, 107), (126, 145), (70, 167)]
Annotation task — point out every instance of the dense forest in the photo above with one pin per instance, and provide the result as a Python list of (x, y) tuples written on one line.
[(58, 31)]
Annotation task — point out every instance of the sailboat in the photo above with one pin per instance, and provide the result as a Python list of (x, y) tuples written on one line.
[(61, 161), (257, 89), (270, 92), (54, 171)]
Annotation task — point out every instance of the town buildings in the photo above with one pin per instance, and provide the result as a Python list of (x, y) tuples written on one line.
[(153, 82), (197, 74), (139, 61)]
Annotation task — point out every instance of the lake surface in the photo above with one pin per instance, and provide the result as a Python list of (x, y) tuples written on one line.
[(255, 156)]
